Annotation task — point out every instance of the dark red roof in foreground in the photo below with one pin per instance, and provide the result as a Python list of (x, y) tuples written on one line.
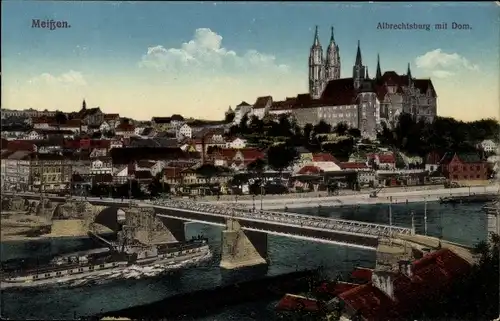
[(291, 302), (430, 275)]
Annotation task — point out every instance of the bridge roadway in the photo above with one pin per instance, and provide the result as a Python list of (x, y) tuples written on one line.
[(327, 230)]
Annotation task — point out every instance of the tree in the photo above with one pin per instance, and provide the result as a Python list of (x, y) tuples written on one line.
[(60, 117), (341, 149), (257, 166), (322, 128), (341, 129), (157, 187), (354, 132), (279, 157), (307, 133)]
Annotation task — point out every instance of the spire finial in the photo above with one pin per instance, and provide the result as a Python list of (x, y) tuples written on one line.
[(316, 37), (359, 61), (408, 72), (378, 72), (332, 38)]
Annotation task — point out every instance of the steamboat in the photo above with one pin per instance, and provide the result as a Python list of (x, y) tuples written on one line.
[(113, 259)]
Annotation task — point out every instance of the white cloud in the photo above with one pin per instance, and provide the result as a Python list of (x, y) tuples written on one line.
[(206, 53), (69, 78), (442, 64)]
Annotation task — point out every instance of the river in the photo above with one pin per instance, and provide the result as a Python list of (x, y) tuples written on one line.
[(465, 224)]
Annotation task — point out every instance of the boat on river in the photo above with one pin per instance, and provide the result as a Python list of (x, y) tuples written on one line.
[(131, 256), (104, 263)]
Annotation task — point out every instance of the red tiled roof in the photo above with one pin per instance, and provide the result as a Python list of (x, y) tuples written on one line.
[(348, 165), (261, 102), (16, 145), (431, 274), (291, 302), (111, 116), (368, 301), (361, 273), (336, 288), (323, 157), (387, 158), (309, 169), (243, 103), (230, 153), (124, 127), (339, 92)]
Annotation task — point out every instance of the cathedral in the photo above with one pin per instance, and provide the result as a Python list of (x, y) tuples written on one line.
[(359, 100), (368, 101)]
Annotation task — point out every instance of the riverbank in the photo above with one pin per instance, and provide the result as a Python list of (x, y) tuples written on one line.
[(384, 197)]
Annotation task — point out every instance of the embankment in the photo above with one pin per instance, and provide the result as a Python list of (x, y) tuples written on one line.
[(383, 197)]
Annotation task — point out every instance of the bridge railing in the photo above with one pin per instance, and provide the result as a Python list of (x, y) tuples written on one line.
[(288, 218)]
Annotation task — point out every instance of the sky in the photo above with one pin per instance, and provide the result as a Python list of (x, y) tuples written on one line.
[(144, 59)]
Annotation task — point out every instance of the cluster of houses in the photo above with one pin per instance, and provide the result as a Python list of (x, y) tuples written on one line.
[(90, 147)]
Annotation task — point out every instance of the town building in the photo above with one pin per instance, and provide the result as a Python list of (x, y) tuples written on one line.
[(459, 167)]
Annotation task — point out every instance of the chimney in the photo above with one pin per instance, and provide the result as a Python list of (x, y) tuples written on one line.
[(384, 281)]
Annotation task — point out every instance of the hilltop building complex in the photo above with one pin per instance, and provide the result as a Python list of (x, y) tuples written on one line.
[(359, 100)]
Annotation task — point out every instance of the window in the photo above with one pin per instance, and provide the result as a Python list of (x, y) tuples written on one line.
[(47, 275), (101, 266), (58, 273), (91, 268), (80, 270), (478, 167)]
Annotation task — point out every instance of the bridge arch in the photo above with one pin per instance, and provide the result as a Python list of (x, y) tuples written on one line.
[(110, 217)]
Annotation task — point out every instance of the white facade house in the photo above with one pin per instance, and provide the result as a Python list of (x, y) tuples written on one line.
[(184, 131), (139, 130), (237, 143), (105, 127), (488, 146), (241, 110), (33, 135), (101, 166), (115, 143)]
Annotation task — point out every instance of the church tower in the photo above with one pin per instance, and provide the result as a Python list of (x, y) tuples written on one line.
[(332, 64), (379, 71), (358, 70), (316, 68)]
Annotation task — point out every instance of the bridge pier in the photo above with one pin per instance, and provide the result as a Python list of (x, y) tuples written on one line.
[(390, 252), (242, 248), (176, 227)]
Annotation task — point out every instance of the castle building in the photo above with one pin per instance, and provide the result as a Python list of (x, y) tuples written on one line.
[(359, 101)]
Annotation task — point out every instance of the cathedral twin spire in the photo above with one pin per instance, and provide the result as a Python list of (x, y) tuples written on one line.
[(322, 70)]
